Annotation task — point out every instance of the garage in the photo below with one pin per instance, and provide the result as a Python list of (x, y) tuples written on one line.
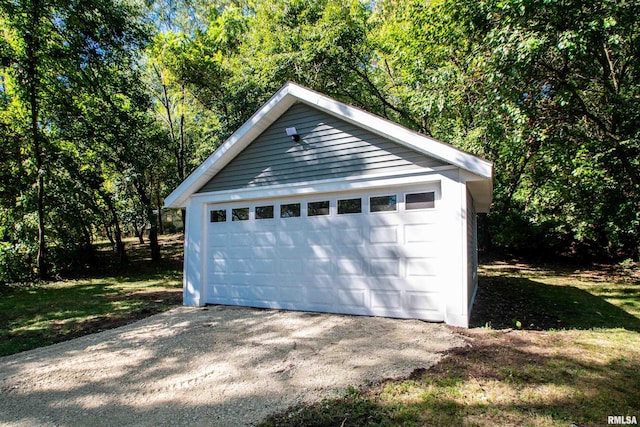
[(316, 205)]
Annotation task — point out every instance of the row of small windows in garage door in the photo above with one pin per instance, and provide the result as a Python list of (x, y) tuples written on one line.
[(385, 203)]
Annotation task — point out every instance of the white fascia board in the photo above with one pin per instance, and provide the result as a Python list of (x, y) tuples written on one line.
[(325, 186), (481, 190), (238, 141), (397, 133)]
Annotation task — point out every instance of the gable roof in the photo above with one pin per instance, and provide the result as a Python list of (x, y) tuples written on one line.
[(292, 93)]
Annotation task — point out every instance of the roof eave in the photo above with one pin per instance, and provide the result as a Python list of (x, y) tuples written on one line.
[(238, 141), (291, 93), (395, 132)]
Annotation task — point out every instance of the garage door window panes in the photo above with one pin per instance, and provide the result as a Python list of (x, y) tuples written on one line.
[(290, 210), (349, 206), (383, 203), (420, 200), (318, 208), (240, 214), (219, 215), (264, 212)]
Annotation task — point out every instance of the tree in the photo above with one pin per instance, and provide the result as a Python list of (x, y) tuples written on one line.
[(550, 100), (54, 54), (27, 26), (578, 79)]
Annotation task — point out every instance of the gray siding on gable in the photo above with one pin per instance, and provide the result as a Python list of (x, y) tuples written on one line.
[(328, 148)]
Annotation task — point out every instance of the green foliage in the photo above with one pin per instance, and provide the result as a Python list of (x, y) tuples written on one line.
[(73, 104), (12, 261), (104, 112), (550, 100), (580, 71)]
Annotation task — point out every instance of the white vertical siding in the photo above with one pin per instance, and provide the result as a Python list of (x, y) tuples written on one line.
[(194, 247), (453, 250)]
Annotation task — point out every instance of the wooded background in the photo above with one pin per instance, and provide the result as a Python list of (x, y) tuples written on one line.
[(107, 105)]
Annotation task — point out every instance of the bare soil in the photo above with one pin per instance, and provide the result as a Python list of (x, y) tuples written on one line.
[(225, 366)]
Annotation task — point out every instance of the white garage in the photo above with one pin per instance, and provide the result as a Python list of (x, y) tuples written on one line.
[(316, 205)]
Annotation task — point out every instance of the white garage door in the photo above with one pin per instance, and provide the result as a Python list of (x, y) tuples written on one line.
[(361, 253)]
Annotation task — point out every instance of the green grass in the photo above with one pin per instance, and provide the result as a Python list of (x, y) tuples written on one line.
[(526, 297), (550, 346), (37, 314)]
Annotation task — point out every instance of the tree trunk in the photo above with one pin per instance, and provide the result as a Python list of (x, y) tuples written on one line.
[(183, 148), (139, 232), (153, 230), (153, 235), (33, 85), (42, 261), (159, 207), (121, 251), (107, 231), (118, 244), (88, 250)]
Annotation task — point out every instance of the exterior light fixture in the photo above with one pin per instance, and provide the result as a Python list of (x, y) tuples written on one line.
[(293, 133)]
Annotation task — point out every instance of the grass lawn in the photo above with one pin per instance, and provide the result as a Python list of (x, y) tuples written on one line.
[(37, 314), (548, 347)]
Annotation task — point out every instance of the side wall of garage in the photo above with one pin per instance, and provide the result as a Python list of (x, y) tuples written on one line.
[(472, 252), (455, 251), (193, 276)]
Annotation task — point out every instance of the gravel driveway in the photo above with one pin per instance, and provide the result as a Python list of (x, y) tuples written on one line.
[(219, 365)]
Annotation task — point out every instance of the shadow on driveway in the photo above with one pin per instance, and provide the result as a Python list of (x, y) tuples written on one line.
[(214, 366)]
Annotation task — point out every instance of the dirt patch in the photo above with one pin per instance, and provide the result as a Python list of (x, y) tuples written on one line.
[(503, 348), (216, 366)]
